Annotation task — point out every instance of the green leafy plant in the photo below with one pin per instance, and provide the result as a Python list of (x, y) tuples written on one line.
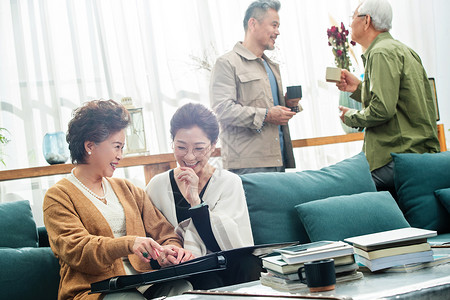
[(3, 141), (206, 60)]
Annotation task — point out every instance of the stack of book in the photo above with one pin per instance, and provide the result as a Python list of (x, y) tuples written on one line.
[(283, 264), (438, 259), (392, 248)]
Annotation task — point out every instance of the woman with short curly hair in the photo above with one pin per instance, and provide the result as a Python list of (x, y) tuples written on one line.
[(100, 227)]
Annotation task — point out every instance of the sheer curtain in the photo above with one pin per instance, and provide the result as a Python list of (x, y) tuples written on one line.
[(58, 54)]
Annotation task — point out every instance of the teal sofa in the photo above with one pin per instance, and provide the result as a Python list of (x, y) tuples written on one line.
[(333, 203), (341, 201), (28, 268)]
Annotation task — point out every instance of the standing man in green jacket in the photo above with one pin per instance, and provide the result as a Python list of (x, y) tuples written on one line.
[(399, 115)]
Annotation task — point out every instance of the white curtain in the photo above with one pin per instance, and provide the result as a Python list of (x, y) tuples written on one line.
[(57, 54)]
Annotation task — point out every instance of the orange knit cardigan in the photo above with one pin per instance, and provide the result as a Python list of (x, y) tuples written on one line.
[(82, 240)]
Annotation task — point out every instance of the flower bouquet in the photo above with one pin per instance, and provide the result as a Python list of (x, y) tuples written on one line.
[(338, 39)]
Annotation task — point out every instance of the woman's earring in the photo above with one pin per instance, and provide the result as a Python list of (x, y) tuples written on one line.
[(89, 152)]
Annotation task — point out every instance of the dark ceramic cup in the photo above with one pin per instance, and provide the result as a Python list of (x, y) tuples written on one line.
[(294, 92), (319, 276)]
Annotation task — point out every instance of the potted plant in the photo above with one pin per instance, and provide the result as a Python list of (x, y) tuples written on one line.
[(3, 141)]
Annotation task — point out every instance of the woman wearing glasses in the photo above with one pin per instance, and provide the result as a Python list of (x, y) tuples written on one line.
[(206, 204), (99, 226)]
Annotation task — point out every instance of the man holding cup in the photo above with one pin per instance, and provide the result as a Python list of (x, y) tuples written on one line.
[(399, 112), (247, 96)]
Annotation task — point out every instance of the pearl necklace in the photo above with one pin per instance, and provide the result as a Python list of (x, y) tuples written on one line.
[(88, 190)]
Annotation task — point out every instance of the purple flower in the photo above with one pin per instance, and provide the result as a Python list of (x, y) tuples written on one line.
[(338, 40)]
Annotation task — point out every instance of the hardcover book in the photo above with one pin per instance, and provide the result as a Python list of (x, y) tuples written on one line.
[(392, 251), (276, 263), (341, 269), (390, 237), (331, 250), (396, 260), (296, 286), (391, 245), (437, 260)]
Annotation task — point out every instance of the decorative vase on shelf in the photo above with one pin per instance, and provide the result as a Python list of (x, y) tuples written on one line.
[(345, 100), (55, 148)]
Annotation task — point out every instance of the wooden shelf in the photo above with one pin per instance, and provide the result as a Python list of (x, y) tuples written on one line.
[(157, 162), (154, 164), (327, 140)]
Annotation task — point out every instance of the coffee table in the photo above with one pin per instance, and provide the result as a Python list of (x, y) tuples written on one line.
[(428, 283)]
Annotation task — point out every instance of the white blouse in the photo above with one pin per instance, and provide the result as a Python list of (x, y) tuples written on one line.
[(227, 206)]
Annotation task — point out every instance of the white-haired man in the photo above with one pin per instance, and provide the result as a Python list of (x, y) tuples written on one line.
[(399, 113), (247, 96)]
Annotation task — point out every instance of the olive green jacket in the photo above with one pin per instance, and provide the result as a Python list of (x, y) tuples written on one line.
[(399, 114), (240, 95)]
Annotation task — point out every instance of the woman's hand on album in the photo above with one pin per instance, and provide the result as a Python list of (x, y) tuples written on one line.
[(173, 255), (147, 248)]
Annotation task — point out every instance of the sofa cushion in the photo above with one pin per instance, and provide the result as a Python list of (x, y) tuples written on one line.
[(28, 273), (340, 217), (444, 197), (416, 177), (18, 228), (271, 197)]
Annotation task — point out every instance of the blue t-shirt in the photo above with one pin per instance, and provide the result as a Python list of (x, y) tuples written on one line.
[(276, 101)]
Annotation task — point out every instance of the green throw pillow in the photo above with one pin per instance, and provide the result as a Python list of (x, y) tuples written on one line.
[(271, 197), (444, 196), (416, 177), (18, 228), (337, 218)]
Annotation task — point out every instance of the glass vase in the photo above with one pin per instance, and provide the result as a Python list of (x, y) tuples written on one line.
[(345, 100), (55, 148)]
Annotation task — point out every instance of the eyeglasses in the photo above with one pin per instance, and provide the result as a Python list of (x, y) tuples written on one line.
[(352, 17), (182, 150)]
